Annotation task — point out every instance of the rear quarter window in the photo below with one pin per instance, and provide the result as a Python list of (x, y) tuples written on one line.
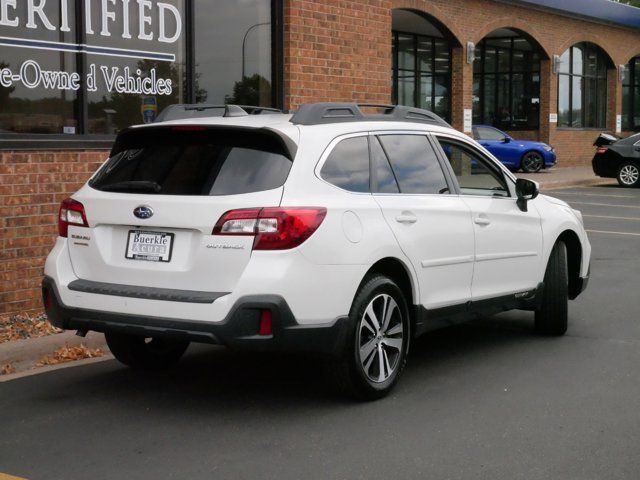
[(205, 163), (347, 166)]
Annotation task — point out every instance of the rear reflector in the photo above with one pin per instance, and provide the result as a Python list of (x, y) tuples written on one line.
[(266, 326), (273, 228), (71, 213), (601, 150)]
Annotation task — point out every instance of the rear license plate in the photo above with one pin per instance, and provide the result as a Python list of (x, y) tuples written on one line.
[(149, 246)]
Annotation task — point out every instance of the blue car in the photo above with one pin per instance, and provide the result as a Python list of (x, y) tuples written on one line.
[(529, 156)]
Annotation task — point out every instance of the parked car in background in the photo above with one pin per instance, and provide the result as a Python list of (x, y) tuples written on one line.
[(618, 158), (525, 155)]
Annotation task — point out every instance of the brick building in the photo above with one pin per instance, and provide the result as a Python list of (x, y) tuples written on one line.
[(72, 73)]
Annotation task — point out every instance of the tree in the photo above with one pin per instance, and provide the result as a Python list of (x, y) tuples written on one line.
[(253, 90), (633, 3)]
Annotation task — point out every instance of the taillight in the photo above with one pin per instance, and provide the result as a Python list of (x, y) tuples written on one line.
[(601, 150), (274, 228), (71, 213)]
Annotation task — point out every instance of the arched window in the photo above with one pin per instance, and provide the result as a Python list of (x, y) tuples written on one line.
[(421, 73), (582, 87), (631, 96), (506, 82)]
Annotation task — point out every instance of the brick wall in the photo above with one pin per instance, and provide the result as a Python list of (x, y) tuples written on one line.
[(32, 185), (341, 51), (337, 50)]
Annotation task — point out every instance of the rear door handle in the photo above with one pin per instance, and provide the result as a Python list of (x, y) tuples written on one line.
[(481, 221), (406, 218)]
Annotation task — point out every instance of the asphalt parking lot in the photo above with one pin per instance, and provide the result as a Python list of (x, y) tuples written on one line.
[(487, 399)]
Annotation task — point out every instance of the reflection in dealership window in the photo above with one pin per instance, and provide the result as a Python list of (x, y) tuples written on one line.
[(43, 108), (582, 87), (233, 52), (112, 107), (506, 83)]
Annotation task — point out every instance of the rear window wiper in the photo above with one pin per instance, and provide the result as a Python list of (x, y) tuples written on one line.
[(132, 185)]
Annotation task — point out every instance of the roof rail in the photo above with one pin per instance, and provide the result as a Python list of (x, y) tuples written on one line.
[(322, 113), (198, 110)]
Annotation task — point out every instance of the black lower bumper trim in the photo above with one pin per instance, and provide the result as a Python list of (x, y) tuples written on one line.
[(149, 293), (238, 330)]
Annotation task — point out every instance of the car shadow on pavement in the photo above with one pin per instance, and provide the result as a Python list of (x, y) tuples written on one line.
[(210, 378)]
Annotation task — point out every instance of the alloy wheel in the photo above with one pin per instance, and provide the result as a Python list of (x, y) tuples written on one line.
[(381, 338), (629, 174), (532, 162)]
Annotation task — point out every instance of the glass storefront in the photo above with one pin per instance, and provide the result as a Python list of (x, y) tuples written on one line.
[(422, 72), (582, 87), (631, 96), (506, 83), (94, 67)]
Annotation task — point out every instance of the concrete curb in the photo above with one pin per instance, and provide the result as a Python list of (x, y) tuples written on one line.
[(23, 355)]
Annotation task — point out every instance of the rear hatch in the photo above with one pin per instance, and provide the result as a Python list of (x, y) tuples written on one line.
[(152, 207)]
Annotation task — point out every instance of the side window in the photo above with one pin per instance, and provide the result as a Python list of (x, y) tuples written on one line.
[(486, 133), (348, 165), (385, 181), (475, 176), (414, 164)]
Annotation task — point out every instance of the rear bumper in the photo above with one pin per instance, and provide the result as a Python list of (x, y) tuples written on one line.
[(238, 330)]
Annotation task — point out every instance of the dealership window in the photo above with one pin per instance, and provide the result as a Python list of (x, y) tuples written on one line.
[(631, 96), (233, 52), (422, 72), (28, 106), (506, 83), (582, 87), (87, 69)]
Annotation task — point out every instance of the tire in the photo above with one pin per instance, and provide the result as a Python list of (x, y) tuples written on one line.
[(370, 345), (145, 353), (531, 162), (551, 318), (628, 175)]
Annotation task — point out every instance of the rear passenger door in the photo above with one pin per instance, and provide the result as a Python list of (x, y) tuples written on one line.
[(508, 241), (432, 226)]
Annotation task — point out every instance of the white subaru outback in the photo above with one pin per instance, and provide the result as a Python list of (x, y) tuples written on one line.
[(331, 231)]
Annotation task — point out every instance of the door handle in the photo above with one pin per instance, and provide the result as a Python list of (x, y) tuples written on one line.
[(406, 218), (481, 221)]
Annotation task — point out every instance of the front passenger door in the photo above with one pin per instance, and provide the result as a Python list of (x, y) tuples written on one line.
[(432, 226), (508, 241)]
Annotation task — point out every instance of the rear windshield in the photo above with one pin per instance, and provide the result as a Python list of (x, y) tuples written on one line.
[(177, 161)]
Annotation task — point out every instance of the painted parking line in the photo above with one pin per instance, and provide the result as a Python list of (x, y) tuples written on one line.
[(613, 233), (605, 205), (593, 194), (4, 476), (637, 219)]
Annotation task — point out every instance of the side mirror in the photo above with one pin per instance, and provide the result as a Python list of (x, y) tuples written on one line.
[(526, 190), (506, 140)]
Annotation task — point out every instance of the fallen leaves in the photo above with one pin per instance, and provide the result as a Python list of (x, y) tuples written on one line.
[(69, 354), (19, 327), (7, 369)]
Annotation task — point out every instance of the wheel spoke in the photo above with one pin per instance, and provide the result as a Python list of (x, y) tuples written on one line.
[(390, 307), (395, 330), (369, 361), (386, 363), (373, 319), (393, 343), (367, 349), (381, 374)]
